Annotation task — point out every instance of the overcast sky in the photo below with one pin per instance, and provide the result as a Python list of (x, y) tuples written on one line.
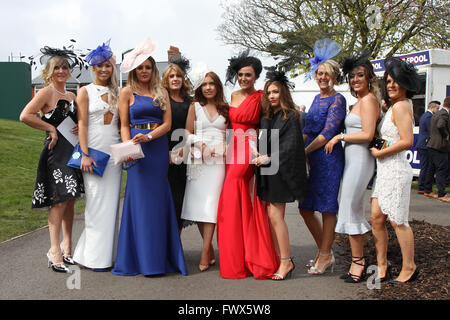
[(191, 25)]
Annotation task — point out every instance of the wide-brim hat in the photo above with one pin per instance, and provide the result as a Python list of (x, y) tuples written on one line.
[(404, 73), (137, 56), (198, 74)]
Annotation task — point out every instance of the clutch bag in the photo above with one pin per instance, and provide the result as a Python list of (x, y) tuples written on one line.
[(121, 151), (100, 158), (377, 143)]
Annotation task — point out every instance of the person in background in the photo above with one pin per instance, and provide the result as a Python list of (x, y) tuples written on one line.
[(174, 80), (421, 144), (438, 148)]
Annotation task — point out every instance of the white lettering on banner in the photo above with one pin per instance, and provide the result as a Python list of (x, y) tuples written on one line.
[(415, 160), (416, 59), (409, 156), (377, 65), (412, 157)]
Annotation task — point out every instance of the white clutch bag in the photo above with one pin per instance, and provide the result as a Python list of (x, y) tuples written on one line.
[(121, 151)]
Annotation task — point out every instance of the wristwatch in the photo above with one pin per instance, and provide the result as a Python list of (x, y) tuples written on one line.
[(342, 136), (149, 136)]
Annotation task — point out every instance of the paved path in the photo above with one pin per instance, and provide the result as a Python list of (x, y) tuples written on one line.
[(24, 275)]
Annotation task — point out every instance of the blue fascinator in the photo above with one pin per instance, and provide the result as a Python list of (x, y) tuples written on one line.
[(324, 49), (100, 54)]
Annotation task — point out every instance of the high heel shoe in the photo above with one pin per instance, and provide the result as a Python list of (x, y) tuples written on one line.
[(412, 278), (67, 258), (57, 266), (288, 274), (315, 271), (387, 275), (353, 278), (312, 262)]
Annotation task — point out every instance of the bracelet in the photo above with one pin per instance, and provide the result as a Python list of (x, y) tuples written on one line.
[(342, 137), (85, 153)]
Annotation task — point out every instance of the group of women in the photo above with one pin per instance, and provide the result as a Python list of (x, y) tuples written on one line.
[(240, 182)]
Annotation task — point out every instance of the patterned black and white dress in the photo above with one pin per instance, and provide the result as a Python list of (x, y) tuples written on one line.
[(55, 181)]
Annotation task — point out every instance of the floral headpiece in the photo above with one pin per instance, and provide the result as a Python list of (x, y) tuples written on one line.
[(198, 74), (324, 49)]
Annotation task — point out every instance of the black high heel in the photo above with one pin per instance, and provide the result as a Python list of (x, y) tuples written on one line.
[(411, 279), (353, 278), (289, 274), (57, 266), (388, 274)]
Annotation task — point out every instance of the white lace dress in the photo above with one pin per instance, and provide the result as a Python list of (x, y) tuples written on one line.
[(394, 176), (98, 242), (205, 180)]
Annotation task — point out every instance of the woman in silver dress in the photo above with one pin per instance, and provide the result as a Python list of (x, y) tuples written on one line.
[(360, 125)]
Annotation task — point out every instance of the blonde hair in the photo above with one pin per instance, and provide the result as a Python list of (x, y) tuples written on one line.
[(154, 85), (333, 71), (113, 84), (53, 62), (186, 88)]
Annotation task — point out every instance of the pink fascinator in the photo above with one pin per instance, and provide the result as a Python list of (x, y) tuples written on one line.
[(138, 55)]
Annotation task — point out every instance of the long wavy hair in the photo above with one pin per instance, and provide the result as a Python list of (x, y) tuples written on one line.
[(47, 72), (219, 100), (186, 88), (372, 79), (113, 84), (286, 102), (154, 85)]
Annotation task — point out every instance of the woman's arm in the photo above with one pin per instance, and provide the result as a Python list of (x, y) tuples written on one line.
[(402, 118), (124, 113), (83, 119), (36, 105)]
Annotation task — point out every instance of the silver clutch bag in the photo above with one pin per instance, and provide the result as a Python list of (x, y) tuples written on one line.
[(121, 151)]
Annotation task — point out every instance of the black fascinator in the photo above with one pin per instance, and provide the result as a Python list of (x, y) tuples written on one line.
[(404, 73), (242, 60), (273, 75), (350, 63), (73, 59), (183, 63)]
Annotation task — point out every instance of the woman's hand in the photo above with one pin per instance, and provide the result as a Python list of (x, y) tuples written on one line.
[(53, 136), (261, 160), (86, 164), (75, 129), (330, 144), (140, 138), (376, 153)]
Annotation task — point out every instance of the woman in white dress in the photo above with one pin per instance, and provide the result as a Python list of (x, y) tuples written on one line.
[(391, 194), (207, 122), (98, 120), (360, 125)]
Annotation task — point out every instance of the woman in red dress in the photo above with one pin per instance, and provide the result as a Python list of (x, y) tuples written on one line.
[(243, 233)]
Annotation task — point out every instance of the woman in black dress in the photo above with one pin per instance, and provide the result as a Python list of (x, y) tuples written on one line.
[(281, 172), (179, 88), (57, 185)]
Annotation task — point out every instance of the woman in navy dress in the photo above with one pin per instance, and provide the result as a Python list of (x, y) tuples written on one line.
[(149, 242), (324, 120)]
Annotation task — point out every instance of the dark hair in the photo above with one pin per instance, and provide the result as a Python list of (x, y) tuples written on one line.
[(435, 102), (404, 74), (241, 61), (219, 100)]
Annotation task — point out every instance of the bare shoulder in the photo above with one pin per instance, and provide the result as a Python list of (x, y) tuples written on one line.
[(370, 101), (126, 91), (401, 106)]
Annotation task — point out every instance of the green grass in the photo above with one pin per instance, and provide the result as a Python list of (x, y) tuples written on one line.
[(20, 147)]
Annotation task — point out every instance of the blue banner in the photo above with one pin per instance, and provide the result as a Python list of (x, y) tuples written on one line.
[(417, 59)]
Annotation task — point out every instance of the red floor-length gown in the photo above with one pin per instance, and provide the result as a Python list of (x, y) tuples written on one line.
[(243, 232)]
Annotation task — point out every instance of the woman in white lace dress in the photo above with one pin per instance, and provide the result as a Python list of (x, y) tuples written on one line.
[(207, 122), (98, 119), (391, 195)]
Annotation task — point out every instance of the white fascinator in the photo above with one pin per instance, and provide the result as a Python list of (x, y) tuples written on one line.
[(198, 73)]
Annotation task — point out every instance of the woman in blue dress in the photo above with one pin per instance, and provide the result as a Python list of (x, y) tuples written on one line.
[(324, 120), (149, 242)]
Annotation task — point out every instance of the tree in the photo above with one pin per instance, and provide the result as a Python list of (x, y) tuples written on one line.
[(287, 29)]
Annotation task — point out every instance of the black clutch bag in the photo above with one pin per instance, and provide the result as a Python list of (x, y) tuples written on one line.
[(377, 143)]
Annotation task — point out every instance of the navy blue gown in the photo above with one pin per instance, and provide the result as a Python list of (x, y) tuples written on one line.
[(326, 117), (149, 242)]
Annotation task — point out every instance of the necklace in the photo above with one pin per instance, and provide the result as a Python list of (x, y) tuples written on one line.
[(63, 93)]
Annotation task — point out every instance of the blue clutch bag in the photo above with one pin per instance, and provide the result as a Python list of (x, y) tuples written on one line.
[(100, 158)]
